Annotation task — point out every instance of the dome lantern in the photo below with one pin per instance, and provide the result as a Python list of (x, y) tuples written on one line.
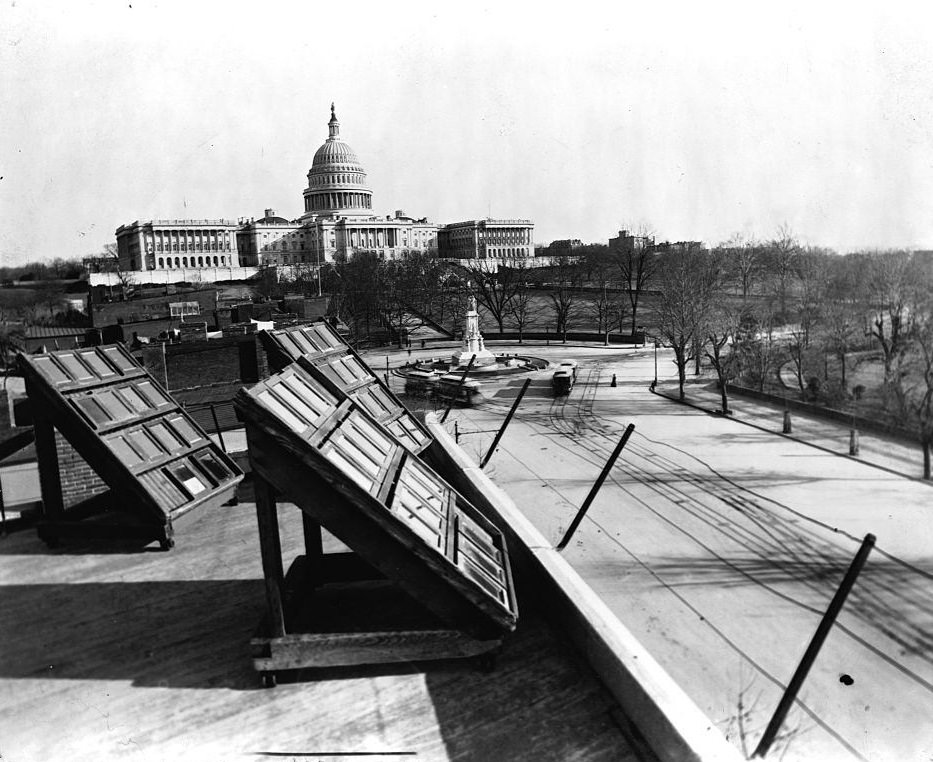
[(333, 126)]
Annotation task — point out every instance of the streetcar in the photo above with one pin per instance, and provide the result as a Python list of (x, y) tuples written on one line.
[(569, 365), (561, 382), (421, 383), (449, 386)]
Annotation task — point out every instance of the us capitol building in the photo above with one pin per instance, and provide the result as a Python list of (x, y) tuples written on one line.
[(337, 223)]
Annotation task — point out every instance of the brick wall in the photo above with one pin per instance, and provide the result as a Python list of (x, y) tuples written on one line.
[(201, 363), (79, 481)]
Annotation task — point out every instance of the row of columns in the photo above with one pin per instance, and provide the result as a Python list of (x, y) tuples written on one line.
[(178, 262), (190, 240), (366, 238), (322, 180), (508, 236), (337, 200), (507, 252)]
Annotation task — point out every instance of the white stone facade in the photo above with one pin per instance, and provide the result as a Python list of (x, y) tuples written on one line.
[(487, 239)]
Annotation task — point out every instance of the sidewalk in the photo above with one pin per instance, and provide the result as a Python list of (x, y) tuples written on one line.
[(892, 454)]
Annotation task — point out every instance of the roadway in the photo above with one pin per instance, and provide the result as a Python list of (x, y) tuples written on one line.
[(720, 545)]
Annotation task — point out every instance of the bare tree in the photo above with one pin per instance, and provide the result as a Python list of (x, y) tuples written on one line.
[(355, 285), (687, 280), (742, 259), (520, 308), (889, 287), (782, 255), (11, 340), (637, 263), (912, 384), (755, 344), (810, 270), (452, 295), (564, 293), (305, 279), (494, 287), (841, 328), (125, 277), (722, 325), (608, 304), (797, 355), (403, 297)]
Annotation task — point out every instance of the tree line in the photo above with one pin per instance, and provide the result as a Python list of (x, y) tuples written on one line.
[(782, 316), (774, 315)]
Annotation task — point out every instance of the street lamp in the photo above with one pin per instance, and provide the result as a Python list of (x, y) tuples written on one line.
[(656, 345), (318, 270)]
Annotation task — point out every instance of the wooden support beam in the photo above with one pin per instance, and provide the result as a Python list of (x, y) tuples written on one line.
[(50, 481), (306, 650), (270, 546)]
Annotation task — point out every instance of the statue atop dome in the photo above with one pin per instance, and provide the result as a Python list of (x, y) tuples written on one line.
[(333, 126)]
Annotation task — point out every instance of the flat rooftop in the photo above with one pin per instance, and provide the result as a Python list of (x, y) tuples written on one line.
[(119, 652)]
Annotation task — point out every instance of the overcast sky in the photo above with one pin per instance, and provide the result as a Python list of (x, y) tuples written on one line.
[(696, 119)]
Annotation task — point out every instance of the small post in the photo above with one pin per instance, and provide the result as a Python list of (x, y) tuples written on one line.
[(2, 513), (505, 424), (787, 424), (655, 364), (453, 394), (853, 442), (595, 488), (220, 435), (456, 433), (835, 606)]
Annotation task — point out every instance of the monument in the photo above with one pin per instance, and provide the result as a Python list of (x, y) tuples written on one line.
[(472, 342)]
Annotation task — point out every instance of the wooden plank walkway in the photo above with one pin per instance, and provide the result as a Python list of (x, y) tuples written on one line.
[(144, 655)]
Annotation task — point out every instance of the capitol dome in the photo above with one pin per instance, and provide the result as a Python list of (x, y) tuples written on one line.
[(335, 152), (336, 180)]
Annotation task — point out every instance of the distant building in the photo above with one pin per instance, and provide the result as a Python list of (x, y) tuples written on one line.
[(337, 223), (681, 247), (561, 248), (486, 239), (177, 244), (626, 242)]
